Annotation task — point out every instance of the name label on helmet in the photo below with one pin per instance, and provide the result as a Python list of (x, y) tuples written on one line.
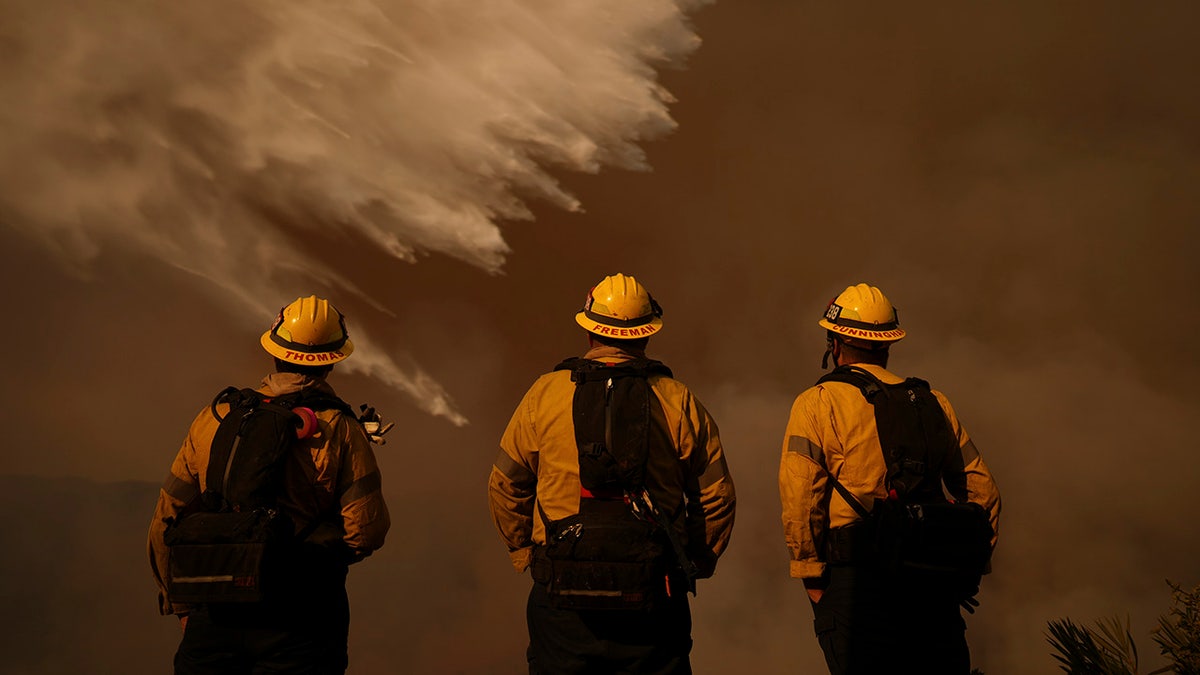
[(869, 334), (311, 358), (635, 332)]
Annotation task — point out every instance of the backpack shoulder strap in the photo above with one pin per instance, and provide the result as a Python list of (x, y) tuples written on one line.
[(913, 433), (851, 499), (652, 367), (867, 383), (322, 401), (585, 370), (579, 368), (235, 397), (240, 402), (611, 414)]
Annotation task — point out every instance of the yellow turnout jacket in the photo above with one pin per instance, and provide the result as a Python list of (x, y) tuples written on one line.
[(538, 467), (831, 432), (331, 476)]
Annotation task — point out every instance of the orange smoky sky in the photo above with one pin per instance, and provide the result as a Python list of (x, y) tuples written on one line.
[(1019, 178)]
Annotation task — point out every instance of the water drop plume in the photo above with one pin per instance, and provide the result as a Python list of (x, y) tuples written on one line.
[(223, 137)]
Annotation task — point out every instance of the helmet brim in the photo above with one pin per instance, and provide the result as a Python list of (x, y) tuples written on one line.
[(652, 326), (891, 335), (306, 358)]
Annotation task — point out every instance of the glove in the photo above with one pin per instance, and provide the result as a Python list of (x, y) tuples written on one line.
[(968, 601), (704, 560), (373, 424)]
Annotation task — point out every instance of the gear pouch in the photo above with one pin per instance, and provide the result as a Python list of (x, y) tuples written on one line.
[(602, 558), (940, 540), (223, 557)]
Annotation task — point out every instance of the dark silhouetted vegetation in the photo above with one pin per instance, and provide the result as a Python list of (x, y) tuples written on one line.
[(1109, 648), (1178, 632)]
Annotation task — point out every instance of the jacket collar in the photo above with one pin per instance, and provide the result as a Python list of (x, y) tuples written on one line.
[(281, 384), (880, 372), (612, 354)]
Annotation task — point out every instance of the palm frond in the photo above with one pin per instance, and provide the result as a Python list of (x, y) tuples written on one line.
[(1178, 631), (1114, 637), (1080, 651)]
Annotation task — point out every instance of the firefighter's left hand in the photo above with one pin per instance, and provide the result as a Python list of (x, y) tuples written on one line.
[(704, 560), (815, 587)]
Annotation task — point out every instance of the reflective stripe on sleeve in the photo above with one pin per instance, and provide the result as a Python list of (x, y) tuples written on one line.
[(969, 452), (802, 446), (515, 472), (362, 487), (180, 489), (715, 472)]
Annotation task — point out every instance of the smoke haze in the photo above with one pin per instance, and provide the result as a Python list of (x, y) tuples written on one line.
[(1018, 178), (236, 141)]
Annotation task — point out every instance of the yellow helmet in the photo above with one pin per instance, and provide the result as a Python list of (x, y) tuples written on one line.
[(863, 312), (309, 332), (619, 307)]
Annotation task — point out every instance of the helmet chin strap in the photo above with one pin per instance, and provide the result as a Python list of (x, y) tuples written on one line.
[(828, 351)]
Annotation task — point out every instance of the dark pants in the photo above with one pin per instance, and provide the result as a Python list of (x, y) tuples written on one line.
[(866, 624), (615, 642), (255, 639)]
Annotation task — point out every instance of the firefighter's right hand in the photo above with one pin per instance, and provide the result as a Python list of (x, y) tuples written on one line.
[(969, 603), (373, 424)]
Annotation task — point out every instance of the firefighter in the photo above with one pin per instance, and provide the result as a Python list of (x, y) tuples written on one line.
[(582, 616), (868, 619), (332, 493)]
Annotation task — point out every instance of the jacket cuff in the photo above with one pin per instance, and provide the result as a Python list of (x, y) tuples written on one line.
[(181, 609), (806, 569), (521, 558), (166, 607)]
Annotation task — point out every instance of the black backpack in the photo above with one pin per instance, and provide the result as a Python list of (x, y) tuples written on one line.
[(227, 544), (916, 530), (616, 552)]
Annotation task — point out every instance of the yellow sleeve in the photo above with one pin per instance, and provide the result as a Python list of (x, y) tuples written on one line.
[(710, 513), (365, 516), (804, 485), (981, 487), (181, 486), (512, 486)]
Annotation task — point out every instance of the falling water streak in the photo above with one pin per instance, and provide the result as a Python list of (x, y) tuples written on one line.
[(169, 131)]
